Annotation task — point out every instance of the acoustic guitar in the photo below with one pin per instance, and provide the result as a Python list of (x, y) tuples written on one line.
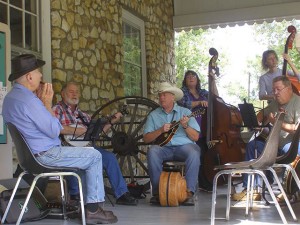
[(75, 141), (166, 137)]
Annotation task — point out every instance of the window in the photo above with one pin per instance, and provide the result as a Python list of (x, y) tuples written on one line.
[(134, 55), (22, 18), (29, 23)]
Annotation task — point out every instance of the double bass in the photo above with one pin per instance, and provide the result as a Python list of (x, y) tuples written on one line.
[(289, 45), (224, 123)]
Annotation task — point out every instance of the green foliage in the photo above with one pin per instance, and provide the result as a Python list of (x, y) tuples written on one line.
[(191, 51), (274, 36)]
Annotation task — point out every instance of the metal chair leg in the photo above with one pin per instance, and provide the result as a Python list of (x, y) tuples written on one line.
[(273, 196), (284, 194), (12, 197), (63, 198)]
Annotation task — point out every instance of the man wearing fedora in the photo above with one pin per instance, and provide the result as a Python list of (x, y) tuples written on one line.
[(28, 107), (181, 147)]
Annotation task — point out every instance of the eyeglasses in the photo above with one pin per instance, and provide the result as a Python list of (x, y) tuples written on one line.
[(274, 91), (190, 76)]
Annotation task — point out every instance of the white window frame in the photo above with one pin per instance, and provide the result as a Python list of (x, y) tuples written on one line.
[(139, 24), (43, 41)]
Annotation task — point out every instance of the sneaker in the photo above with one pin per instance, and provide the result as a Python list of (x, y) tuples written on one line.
[(293, 198), (100, 216), (242, 196), (127, 199)]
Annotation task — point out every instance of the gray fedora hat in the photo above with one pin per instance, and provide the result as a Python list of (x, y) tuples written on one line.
[(23, 64)]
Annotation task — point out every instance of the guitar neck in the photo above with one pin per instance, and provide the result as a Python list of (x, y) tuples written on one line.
[(175, 124)]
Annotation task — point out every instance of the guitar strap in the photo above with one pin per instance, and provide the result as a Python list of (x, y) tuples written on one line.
[(173, 116)]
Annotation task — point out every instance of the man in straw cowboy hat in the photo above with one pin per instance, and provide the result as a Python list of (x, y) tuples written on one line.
[(181, 147), (28, 107)]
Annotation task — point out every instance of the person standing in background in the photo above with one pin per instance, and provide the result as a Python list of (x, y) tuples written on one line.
[(195, 98)]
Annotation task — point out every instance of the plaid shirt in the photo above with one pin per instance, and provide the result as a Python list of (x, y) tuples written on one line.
[(66, 117)]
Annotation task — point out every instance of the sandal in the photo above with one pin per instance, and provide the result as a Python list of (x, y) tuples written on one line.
[(292, 198)]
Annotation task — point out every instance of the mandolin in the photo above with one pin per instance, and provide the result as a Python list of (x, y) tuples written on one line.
[(166, 137)]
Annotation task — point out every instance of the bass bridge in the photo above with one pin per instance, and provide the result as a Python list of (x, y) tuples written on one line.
[(212, 143)]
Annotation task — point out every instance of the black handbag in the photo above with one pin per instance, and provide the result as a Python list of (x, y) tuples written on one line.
[(35, 209)]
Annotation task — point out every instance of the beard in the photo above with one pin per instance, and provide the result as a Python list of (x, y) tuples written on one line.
[(71, 101)]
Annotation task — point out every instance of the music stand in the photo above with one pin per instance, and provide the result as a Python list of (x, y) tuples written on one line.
[(94, 129), (248, 115), (250, 120)]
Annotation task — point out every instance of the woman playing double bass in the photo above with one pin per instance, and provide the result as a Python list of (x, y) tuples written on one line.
[(195, 98), (270, 63)]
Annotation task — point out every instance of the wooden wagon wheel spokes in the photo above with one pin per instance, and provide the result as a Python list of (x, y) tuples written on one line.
[(125, 138)]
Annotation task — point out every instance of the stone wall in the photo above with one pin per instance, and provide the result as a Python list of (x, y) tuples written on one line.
[(87, 46)]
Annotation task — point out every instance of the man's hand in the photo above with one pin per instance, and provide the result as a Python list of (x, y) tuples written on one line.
[(184, 121), (272, 118), (116, 117), (45, 94), (165, 128)]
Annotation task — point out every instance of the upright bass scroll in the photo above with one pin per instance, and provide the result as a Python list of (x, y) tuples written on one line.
[(289, 45)]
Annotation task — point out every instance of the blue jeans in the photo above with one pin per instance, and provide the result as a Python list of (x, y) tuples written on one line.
[(253, 150), (113, 171), (88, 159), (189, 153)]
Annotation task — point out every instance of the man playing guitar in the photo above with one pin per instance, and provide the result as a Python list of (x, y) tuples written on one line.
[(284, 100), (75, 122)]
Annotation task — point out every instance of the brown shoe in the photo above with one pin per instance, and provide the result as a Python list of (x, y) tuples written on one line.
[(242, 196), (100, 217)]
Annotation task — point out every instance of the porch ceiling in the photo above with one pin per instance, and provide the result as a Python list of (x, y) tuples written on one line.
[(190, 14)]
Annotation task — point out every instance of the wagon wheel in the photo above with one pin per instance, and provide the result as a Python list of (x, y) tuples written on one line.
[(125, 137)]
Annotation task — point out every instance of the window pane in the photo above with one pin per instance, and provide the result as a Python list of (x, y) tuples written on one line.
[(30, 5), (16, 27), (3, 13), (132, 44), (132, 60), (17, 3), (31, 32), (133, 81)]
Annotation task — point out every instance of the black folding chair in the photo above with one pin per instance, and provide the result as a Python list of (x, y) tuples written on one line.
[(32, 166)]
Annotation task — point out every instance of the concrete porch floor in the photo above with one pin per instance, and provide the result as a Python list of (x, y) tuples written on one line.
[(147, 214)]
